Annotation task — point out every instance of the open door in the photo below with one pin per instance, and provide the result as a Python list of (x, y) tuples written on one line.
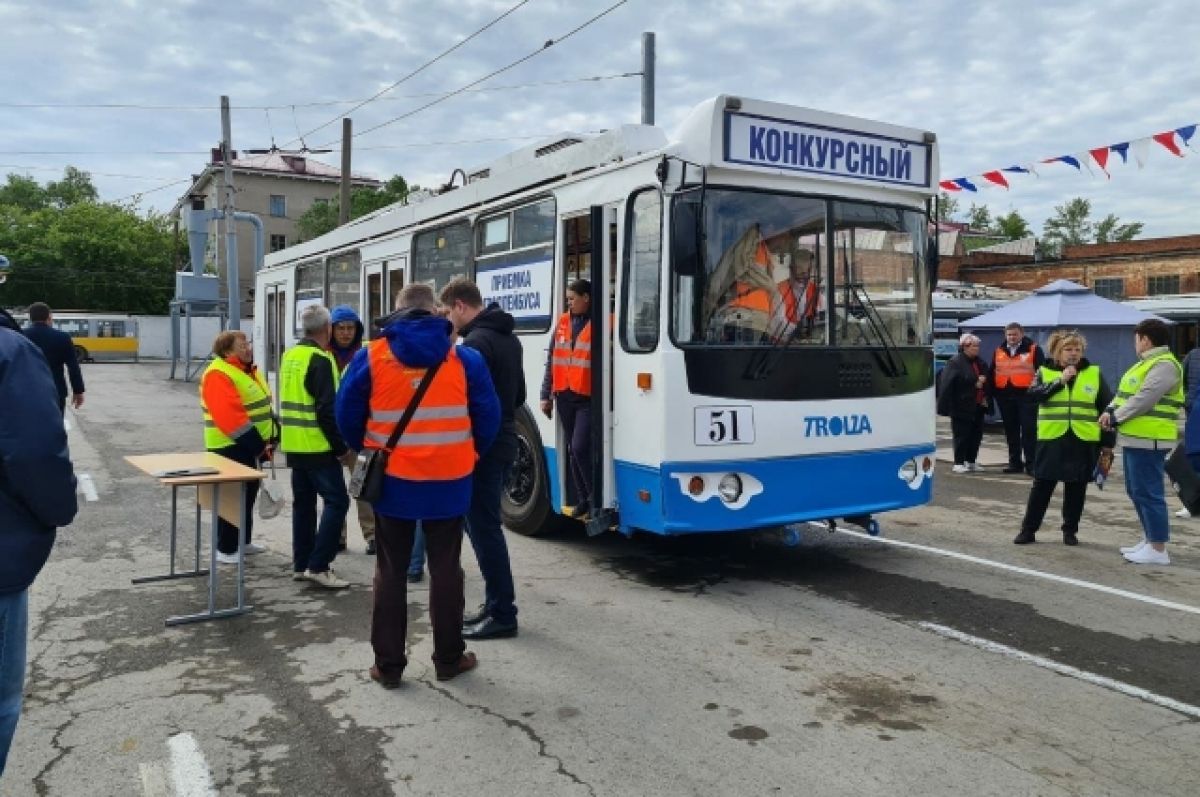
[(278, 327), (373, 293), (605, 256)]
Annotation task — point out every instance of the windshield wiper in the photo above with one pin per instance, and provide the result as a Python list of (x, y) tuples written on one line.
[(895, 364)]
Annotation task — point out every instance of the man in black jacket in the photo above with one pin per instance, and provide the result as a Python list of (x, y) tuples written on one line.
[(490, 332), (37, 494), (60, 353)]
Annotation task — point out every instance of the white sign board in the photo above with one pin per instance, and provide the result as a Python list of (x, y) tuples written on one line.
[(524, 290), (780, 144)]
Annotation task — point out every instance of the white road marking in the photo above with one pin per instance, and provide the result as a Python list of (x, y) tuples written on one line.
[(87, 487), (154, 780), (189, 770), (66, 423), (1065, 669), (1026, 571)]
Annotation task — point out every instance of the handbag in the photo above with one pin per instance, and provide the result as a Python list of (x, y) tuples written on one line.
[(270, 497), (1184, 479), (370, 466)]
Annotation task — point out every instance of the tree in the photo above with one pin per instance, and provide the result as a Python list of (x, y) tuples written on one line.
[(1069, 226), (23, 192), (73, 188), (979, 218), (322, 217), (1013, 226), (947, 207), (1110, 229)]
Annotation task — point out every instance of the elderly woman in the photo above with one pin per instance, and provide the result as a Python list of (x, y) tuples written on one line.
[(238, 423), (1070, 393), (963, 396)]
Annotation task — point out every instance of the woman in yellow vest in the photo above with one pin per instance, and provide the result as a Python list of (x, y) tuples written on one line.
[(1144, 413), (1069, 391), (238, 423)]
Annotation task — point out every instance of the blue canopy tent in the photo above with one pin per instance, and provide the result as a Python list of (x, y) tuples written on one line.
[(1107, 325)]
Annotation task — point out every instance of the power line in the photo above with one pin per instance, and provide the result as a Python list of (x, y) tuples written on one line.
[(89, 172), (549, 43), (314, 104), (410, 75)]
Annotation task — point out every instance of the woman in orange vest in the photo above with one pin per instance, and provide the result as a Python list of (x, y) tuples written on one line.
[(569, 381)]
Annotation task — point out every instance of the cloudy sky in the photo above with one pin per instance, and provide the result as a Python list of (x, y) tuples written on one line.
[(1001, 83)]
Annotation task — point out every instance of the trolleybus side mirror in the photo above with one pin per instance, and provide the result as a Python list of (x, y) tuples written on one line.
[(685, 238)]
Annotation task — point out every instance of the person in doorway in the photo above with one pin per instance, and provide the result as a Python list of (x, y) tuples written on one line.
[(1147, 403), (1191, 388), (238, 425), (347, 340), (59, 351), (1014, 364), (963, 397), (569, 381), (315, 450), (428, 474), (37, 496), (1068, 393), (489, 330)]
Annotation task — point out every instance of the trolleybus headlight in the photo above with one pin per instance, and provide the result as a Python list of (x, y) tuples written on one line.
[(730, 488), (909, 470)]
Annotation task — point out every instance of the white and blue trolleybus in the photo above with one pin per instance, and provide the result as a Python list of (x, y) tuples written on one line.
[(761, 291)]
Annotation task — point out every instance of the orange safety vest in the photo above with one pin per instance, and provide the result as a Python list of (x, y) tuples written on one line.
[(571, 365), (438, 444), (791, 302), (750, 297), (1018, 370)]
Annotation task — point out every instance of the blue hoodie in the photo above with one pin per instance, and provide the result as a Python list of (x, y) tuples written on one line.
[(344, 312), (420, 339)]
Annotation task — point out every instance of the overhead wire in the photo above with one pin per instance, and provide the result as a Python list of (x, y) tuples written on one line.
[(411, 74)]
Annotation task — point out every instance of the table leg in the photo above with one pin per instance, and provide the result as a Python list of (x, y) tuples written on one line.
[(212, 553), (172, 573), (241, 574)]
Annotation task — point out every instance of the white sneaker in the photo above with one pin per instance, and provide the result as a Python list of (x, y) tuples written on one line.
[(1148, 556), (975, 467), (960, 469), (227, 558), (1183, 513), (327, 579), (252, 548), (1133, 548)]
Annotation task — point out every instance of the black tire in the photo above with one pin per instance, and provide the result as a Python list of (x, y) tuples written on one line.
[(81, 354), (525, 503)]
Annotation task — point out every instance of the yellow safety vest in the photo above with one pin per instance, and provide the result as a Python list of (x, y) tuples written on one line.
[(1073, 407), (256, 400), (297, 407), (1158, 423)]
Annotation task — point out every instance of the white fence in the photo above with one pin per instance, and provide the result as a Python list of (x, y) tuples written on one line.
[(154, 335)]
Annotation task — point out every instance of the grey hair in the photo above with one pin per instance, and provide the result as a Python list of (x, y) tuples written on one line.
[(967, 339), (314, 318), (416, 296)]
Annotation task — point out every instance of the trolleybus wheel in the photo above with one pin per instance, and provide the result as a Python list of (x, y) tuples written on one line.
[(525, 504), (81, 354), (873, 527)]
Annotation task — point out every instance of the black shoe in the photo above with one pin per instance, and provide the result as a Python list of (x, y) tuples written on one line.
[(1014, 469), (478, 617), (416, 576), (371, 547), (1069, 538), (1024, 538), (490, 628)]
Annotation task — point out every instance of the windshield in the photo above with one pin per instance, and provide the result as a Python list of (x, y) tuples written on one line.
[(773, 265)]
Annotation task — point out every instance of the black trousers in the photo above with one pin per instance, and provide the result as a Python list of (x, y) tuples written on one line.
[(968, 435), (1020, 428), (227, 540), (576, 414), (1074, 495)]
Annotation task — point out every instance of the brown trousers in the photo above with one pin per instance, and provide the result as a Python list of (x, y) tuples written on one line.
[(389, 615), (366, 519)]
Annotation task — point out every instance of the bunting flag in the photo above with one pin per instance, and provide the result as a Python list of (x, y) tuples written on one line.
[(1173, 141)]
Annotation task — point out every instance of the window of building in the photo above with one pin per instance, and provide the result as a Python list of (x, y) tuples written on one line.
[(1110, 288), (1156, 286), (278, 205), (442, 254), (278, 242), (643, 254)]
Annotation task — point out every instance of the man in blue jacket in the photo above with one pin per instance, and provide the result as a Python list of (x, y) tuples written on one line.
[(428, 474), (59, 350), (37, 494)]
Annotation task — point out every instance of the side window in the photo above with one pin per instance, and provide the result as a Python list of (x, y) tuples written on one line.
[(344, 272), (643, 258), (515, 264), (310, 289), (442, 254), (111, 329)]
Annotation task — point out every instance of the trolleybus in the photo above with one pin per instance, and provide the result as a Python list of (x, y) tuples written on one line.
[(717, 404)]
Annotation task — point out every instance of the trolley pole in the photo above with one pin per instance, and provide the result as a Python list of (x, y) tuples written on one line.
[(344, 210), (231, 258), (647, 78)]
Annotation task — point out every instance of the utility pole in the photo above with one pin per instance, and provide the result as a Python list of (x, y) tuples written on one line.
[(647, 78), (231, 258), (344, 210)]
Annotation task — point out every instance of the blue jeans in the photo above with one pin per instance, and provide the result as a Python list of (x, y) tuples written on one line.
[(417, 563), (485, 532), (314, 545), (1144, 484), (14, 629)]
